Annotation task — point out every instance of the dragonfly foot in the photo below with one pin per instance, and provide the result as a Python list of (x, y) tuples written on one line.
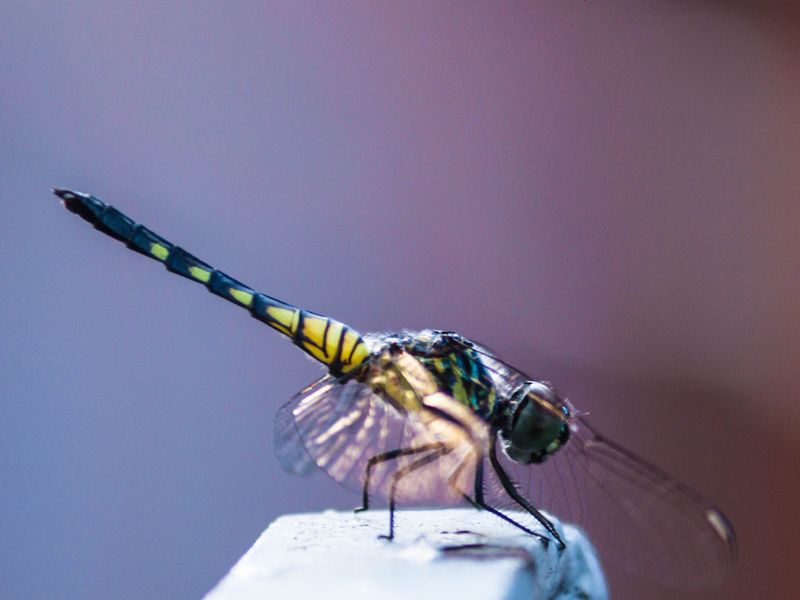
[(547, 540), (560, 545)]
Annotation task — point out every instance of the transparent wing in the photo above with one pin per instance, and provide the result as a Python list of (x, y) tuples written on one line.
[(339, 427), (635, 513), (505, 377), (288, 444)]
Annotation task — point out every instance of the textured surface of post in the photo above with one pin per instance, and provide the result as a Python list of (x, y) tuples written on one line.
[(457, 553)]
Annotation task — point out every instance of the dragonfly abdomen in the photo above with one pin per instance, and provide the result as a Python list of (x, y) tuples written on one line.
[(331, 342)]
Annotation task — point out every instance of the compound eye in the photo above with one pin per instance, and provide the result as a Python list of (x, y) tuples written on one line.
[(535, 425), (563, 436)]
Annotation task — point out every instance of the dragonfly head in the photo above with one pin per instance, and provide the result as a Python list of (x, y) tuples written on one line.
[(537, 425)]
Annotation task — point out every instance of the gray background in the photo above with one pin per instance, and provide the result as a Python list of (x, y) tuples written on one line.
[(605, 192)]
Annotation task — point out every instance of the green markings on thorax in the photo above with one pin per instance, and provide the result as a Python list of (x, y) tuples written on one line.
[(462, 375)]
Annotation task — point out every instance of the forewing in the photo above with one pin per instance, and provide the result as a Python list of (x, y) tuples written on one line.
[(635, 513), (333, 426), (505, 377), (339, 427), (288, 444)]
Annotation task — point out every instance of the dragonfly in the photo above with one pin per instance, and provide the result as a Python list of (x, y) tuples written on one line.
[(430, 416)]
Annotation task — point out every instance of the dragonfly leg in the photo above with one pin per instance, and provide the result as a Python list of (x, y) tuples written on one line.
[(479, 503), (436, 453), (385, 457), (454, 478), (479, 482), (511, 490)]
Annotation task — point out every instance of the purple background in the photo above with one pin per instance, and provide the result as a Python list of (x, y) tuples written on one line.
[(606, 192)]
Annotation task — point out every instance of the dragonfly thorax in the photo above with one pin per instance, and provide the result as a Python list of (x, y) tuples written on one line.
[(456, 366), (537, 423)]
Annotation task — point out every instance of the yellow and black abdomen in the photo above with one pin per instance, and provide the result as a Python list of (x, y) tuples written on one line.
[(334, 344)]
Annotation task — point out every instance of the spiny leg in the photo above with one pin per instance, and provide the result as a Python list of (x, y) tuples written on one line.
[(435, 454), (508, 485), (454, 478), (385, 457), (479, 482), (479, 503)]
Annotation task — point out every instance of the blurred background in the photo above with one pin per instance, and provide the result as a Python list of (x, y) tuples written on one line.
[(607, 193)]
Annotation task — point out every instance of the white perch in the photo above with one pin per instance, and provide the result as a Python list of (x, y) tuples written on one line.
[(461, 554)]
